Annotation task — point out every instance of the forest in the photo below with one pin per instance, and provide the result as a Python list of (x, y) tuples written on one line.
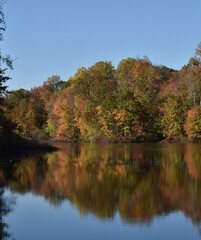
[(137, 101)]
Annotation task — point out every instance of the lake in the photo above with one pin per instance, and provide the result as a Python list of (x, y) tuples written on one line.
[(102, 191)]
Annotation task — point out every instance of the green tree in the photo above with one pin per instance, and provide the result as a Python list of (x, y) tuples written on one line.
[(53, 83), (173, 118), (139, 83), (93, 86), (196, 60), (3, 80), (37, 106), (17, 111), (5, 61), (198, 52)]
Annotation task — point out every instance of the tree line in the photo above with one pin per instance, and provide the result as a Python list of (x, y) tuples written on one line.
[(137, 101)]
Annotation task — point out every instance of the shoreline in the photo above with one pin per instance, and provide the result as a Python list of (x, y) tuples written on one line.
[(31, 145)]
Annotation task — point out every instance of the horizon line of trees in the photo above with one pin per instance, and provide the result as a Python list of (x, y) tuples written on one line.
[(137, 101)]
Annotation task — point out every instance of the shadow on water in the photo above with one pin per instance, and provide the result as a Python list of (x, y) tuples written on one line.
[(6, 205), (8, 162), (138, 181)]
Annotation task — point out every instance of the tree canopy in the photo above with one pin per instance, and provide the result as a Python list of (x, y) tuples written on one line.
[(136, 101)]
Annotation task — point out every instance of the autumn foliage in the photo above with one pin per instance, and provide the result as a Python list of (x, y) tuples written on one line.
[(137, 101)]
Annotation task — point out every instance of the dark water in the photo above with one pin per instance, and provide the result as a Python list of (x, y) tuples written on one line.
[(105, 191)]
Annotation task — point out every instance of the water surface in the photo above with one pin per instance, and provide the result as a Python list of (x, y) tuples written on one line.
[(103, 191)]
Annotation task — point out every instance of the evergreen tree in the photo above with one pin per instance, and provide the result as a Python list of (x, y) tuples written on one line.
[(5, 61)]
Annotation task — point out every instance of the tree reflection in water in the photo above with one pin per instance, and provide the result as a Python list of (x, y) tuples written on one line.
[(5, 207), (137, 181)]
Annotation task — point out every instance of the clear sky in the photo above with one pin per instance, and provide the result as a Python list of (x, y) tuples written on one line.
[(58, 36)]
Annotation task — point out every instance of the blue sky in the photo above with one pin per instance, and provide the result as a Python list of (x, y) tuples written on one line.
[(49, 37)]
